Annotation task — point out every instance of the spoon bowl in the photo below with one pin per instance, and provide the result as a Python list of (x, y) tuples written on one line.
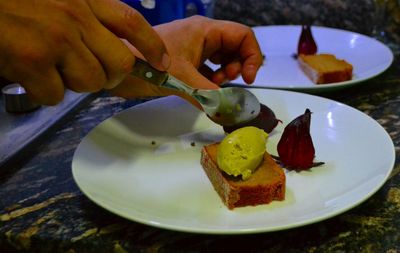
[(228, 106)]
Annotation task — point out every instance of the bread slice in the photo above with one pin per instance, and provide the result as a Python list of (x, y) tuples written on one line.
[(266, 184), (325, 68)]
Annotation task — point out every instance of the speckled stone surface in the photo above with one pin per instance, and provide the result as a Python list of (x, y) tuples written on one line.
[(359, 16), (42, 209)]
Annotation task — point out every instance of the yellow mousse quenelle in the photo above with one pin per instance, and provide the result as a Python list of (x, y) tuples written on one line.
[(241, 151)]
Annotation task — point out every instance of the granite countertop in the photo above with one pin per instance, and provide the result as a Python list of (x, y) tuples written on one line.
[(363, 16), (42, 209)]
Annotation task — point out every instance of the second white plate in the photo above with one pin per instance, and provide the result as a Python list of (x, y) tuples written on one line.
[(368, 56), (144, 164)]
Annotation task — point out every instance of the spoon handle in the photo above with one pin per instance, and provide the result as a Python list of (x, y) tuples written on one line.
[(145, 71)]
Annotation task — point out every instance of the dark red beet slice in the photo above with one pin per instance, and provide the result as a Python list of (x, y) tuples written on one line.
[(265, 120), (295, 148), (306, 43)]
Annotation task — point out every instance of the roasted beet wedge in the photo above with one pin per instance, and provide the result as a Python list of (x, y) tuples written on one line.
[(306, 43), (265, 120), (295, 148)]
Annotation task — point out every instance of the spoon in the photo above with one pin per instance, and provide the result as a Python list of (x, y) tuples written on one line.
[(225, 106)]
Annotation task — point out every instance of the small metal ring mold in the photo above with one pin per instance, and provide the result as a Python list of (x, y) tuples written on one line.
[(16, 100)]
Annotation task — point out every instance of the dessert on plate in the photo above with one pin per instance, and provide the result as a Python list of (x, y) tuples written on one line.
[(241, 171), (320, 68), (325, 68)]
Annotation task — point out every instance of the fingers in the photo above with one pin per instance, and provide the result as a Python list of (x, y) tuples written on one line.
[(227, 42), (224, 74), (78, 52), (129, 24), (81, 71), (227, 72), (251, 53), (94, 58), (240, 38), (47, 89), (103, 18), (115, 58), (30, 64)]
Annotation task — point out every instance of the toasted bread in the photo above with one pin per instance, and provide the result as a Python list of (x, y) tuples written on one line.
[(325, 68)]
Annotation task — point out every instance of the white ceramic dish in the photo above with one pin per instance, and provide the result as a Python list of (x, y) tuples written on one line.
[(144, 164), (368, 56)]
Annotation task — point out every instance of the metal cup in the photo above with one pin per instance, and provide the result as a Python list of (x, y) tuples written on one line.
[(16, 100)]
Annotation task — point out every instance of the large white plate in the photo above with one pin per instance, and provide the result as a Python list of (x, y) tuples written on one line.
[(141, 164), (368, 56)]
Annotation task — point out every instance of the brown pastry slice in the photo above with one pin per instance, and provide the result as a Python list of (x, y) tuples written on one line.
[(266, 184), (325, 68)]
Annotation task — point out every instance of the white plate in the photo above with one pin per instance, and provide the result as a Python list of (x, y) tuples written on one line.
[(162, 183), (368, 56)]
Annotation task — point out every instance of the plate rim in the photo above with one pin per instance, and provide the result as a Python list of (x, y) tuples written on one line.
[(237, 231)]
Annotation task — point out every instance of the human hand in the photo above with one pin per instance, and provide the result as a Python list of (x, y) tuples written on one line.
[(191, 42), (48, 45)]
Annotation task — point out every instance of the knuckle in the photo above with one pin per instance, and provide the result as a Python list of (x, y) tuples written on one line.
[(32, 55), (197, 22), (58, 34), (127, 64), (198, 18), (245, 30), (70, 9), (118, 73), (195, 25)]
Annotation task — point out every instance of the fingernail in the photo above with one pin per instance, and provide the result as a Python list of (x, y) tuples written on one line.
[(166, 61), (250, 73), (251, 69)]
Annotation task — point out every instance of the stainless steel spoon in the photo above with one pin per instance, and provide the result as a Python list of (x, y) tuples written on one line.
[(224, 106)]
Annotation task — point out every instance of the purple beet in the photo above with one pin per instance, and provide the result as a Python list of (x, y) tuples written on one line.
[(306, 44), (296, 148)]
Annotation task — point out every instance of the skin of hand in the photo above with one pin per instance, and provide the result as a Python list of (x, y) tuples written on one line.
[(190, 42), (48, 45)]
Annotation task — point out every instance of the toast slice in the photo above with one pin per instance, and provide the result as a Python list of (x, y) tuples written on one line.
[(266, 184), (325, 68)]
